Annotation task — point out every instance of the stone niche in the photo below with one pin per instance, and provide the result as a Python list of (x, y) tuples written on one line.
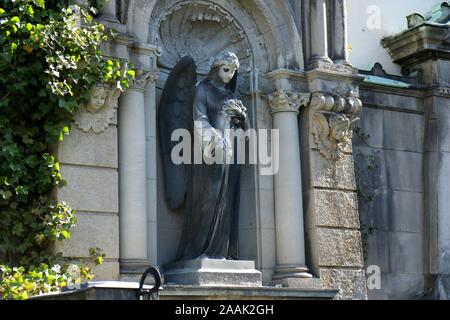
[(202, 29)]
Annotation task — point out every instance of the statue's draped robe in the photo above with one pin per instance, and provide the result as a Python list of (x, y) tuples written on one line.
[(212, 207)]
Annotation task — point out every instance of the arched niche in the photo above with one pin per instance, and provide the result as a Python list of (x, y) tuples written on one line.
[(264, 36)]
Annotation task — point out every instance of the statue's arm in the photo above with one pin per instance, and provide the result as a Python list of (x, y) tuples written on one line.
[(204, 131)]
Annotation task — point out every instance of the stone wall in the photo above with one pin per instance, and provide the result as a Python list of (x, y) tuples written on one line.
[(89, 163), (389, 159)]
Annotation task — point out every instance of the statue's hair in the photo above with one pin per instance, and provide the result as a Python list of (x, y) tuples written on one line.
[(98, 86), (225, 57)]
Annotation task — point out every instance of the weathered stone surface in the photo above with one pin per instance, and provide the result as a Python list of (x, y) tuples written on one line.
[(336, 209), (378, 252), (89, 148), (351, 283), (90, 189), (333, 174), (393, 210), (92, 230), (405, 250), (109, 270), (399, 286), (339, 248), (369, 168), (408, 175), (411, 136)]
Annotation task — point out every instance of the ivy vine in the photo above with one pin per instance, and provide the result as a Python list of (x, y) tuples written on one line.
[(50, 59)]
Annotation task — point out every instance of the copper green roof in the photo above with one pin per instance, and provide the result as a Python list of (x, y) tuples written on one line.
[(385, 81)]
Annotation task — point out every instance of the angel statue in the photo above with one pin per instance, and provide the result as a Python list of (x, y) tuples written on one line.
[(209, 191)]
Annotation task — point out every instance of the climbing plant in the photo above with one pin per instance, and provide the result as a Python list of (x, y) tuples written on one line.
[(50, 58)]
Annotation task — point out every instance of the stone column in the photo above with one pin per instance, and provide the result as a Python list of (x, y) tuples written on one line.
[(151, 151), (132, 178), (319, 34), (289, 232), (339, 31), (109, 11)]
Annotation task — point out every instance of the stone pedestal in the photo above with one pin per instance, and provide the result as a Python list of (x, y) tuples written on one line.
[(332, 224), (213, 272)]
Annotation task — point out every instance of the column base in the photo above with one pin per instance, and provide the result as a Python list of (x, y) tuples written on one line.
[(320, 63), (291, 271), (343, 62), (293, 276), (133, 266), (131, 270)]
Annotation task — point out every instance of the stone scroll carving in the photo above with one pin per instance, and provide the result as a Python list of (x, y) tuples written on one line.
[(100, 110), (333, 121)]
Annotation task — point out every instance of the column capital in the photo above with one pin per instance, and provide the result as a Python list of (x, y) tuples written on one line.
[(142, 78), (287, 101)]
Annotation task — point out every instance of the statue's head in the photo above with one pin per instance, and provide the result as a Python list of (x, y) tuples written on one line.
[(97, 98), (339, 125), (224, 66)]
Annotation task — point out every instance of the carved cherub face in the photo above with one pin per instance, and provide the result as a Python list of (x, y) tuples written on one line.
[(226, 72), (339, 125), (97, 99)]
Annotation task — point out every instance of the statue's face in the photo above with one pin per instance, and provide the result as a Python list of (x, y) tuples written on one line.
[(226, 72), (97, 99)]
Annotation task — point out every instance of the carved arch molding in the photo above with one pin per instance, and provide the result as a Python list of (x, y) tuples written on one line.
[(204, 28)]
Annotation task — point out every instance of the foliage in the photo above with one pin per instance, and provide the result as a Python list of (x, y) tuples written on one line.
[(21, 283), (50, 58)]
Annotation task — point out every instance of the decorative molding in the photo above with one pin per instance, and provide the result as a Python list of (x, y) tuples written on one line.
[(333, 121), (286, 101), (142, 78), (98, 119), (179, 28)]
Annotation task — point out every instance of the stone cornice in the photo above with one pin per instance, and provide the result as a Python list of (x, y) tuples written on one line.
[(329, 74), (407, 92), (415, 41), (285, 74), (337, 76), (146, 49)]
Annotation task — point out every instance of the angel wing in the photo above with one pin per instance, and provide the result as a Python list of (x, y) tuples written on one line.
[(175, 112), (321, 132)]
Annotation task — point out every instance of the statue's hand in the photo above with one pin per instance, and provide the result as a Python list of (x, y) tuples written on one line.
[(236, 109), (219, 143)]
